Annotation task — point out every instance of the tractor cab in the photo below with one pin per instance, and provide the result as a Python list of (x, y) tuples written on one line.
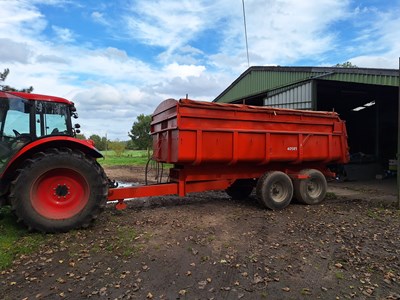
[(25, 118)]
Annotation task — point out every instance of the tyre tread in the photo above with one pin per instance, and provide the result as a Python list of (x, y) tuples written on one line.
[(264, 199), (100, 190), (298, 189)]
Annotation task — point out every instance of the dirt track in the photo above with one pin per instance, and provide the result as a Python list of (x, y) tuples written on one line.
[(207, 246)]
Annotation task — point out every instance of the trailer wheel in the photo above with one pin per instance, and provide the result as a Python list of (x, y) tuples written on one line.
[(274, 190), (312, 190), (59, 190), (240, 189)]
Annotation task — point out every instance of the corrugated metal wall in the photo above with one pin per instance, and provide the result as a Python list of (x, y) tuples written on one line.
[(365, 78), (298, 97), (258, 80)]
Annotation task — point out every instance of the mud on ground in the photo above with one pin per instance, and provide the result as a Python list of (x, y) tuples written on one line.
[(207, 246)]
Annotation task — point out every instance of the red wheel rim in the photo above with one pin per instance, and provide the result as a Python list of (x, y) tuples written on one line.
[(59, 194)]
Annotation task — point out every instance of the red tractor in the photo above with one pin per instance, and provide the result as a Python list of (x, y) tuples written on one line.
[(50, 178)]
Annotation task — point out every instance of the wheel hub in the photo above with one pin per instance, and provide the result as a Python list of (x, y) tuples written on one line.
[(61, 190), (277, 192), (313, 189)]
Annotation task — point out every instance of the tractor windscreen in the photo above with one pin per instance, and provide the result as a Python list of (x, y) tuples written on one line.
[(52, 118)]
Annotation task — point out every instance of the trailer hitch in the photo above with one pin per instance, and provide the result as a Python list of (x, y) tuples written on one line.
[(112, 183), (121, 205)]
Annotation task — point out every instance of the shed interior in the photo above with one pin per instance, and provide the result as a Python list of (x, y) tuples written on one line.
[(370, 112)]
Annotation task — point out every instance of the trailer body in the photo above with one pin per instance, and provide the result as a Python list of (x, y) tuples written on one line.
[(213, 145), (197, 133)]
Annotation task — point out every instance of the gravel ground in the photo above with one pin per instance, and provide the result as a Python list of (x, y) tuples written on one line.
[(207, 246)]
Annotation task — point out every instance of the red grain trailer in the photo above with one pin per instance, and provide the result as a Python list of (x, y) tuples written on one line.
[(213, 146)]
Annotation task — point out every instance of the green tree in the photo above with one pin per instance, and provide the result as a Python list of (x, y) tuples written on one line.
[(118, 147), (100, 142), (130, 145), (97, 140), (81, 136), (140, 132), (3, 77), (104, 142), (346, 64)]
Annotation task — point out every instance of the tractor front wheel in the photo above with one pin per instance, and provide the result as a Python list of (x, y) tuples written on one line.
[(59, 190)]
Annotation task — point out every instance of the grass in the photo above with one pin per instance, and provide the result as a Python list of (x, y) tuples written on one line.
[(128, 157), (264, 295), (210, 238), (339, 275), (305, 291), (126, 241), (374, 215), (330, 196), (122, 243), (15, 239)]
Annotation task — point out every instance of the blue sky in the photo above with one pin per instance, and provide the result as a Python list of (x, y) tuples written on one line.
[(117, 59)]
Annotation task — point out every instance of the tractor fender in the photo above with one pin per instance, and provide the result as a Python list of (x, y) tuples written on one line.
[(39, 145)]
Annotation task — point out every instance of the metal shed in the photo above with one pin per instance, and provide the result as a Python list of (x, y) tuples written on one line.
[(366, 98)]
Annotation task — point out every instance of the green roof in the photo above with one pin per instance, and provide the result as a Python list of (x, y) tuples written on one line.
[(256, 80)]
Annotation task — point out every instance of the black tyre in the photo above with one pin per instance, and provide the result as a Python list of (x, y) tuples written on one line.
[(312, 190), (59, 190), (240, 189), (274, 190)]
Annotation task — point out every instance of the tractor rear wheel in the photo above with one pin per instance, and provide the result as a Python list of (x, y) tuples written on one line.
[(240, 189), (274, 190), (59, 190)]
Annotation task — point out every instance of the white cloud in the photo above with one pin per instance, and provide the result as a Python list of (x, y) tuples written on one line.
[(166, 23), (174, 24), (191, 50), (194, 47), (183, 71), (204, 87), (114, 53), (282, 32), (19, 19), (43, 58), (377, 45), (279, 32), (11, 51), (112, 109), (98, 17), (64, 34), (187, 55), (371, 61)]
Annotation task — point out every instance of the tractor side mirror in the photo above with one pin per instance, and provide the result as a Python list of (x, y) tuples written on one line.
[(76, 128), (74, 114)]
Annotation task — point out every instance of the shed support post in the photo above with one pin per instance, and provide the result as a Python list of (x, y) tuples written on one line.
[(398, 146)]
